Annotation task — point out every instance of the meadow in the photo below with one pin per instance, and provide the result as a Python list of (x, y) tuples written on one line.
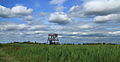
[(59, 53)]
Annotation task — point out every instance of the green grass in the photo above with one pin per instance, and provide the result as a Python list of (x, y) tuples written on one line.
[(59, 53)]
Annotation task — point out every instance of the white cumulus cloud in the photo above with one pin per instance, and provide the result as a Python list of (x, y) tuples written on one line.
[(111, 17), (5, 12), (14, 11), (99, 10), (76, 11), (101, 7), (59, 17), (21, 10)]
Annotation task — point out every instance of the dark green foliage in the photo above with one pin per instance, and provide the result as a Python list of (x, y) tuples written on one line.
[(62, 53)]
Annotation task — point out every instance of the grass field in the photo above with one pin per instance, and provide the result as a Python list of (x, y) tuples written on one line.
[(59, 53)]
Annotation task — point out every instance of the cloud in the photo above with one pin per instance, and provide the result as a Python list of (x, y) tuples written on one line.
[(110, 17), (74, 31), (85, 26), (101, 7), (59, 8), (38, 27), (28, 18), (72, 27), (80, 29), (7, 26), (12, 27), (5, 12), (84, 34), (14, 11), (75, 8), (96, 8), (101, 19), (59, 18), (76, 11), (100, 10), (114, 33), (35, 32), (57, 2), (21, 10)]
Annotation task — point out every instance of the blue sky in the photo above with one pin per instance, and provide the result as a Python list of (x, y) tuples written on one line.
[(38, 5), (77, 21)]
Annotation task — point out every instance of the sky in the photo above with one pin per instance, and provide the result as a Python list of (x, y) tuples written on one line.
[(76, 21)]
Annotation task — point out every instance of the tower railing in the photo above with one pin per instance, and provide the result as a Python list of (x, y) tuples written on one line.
[(53, 39)]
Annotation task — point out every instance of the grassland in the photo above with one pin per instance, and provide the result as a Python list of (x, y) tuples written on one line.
[(59, 53)]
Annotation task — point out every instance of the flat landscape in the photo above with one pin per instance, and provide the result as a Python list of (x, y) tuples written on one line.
[(15, 52), (59, 30)]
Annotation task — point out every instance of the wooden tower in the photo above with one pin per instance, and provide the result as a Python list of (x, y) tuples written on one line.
[(53, 39)]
